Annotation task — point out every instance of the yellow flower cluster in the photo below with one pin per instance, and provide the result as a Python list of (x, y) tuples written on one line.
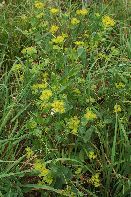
[(75, 21), (90, 115), (43, 85), (54, 29), (29, 153), (29, 50), (58, 39), (117, 108), (82, 12), (39, 86), (95, 180), (46, 94), (68, 192), (79, 43), (58, 106), (54, 11), (108, 21), (46, 179), (64, 35), (119, 85), (73, 124), (39, 4), (16, 67), (92, 155), (40, 166)]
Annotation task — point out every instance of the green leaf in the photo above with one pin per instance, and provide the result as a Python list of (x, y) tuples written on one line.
[(80, 50), (43, 187)]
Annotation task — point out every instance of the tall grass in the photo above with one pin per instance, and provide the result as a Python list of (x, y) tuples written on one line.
[(80, 147)]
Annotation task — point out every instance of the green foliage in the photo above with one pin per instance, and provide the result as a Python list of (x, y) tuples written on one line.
[(65, 99)]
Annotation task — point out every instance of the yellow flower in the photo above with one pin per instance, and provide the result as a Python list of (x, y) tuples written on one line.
[(108, 21), (46, 179), (39, 86), (90, 115), (64, 35), (29, 50), (79, 43), (44, 171), (46, 94), (95, 180), (92, 155), (29, 153), (68, 192), (119, 85), (75, 21), (58, 40), (39, 5), (58, 106), (82, 12), (117, 108), (42, 85), (73, 124), (54, 10), (54, 29), (16, 67), (40, 166)]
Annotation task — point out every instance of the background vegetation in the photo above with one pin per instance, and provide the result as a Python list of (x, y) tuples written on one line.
[(65, 98)]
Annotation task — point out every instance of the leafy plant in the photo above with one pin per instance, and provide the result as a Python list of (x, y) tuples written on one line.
[(65, 99)]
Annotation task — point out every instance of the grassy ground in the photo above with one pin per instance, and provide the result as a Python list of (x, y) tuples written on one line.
[(65, 98)]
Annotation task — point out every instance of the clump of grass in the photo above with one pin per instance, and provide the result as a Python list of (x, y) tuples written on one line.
[(65, 99)]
